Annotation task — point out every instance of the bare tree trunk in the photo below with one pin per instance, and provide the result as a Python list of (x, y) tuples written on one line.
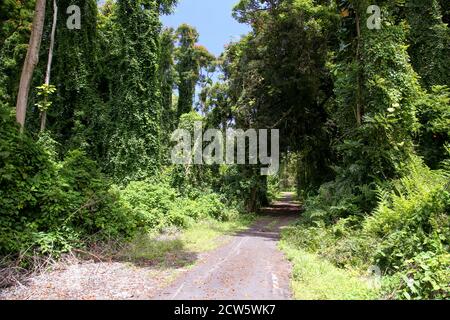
[(358, 58), (50, 59), (30, 63)]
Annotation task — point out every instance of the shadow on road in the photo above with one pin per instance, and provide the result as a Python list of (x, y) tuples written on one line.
[(272, 219)]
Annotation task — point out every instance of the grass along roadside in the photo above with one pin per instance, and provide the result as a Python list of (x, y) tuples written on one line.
[(180, 248), (314, 278)]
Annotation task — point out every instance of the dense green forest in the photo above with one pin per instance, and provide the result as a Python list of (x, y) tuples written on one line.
[(363, 112)]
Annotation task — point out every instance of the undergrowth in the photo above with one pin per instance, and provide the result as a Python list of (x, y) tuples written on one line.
[(314, 278), (406, 237), (49, 206)]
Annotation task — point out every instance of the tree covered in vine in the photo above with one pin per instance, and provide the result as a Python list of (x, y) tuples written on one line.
[(429, 39), (191, 59), (133, 148), (376, 91), (72, 116), (15, 24)]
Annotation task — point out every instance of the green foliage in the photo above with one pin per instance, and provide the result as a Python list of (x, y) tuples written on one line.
[(47, 205), (407, 236), (380, 145), (425, 276), (317, 279), (348, 101), (15, 28), (149, 203), (340, 199), (191, 59), (167, 78), (133, 143), (45, 91), (342, 243), (25, 174), (430, 41), (434, 133), (155, 205), (273, 188), (111, 106), (72, 118), (413, 227), (117, 120), (167, 6), (188, 176), (277, 78), (385, 207)]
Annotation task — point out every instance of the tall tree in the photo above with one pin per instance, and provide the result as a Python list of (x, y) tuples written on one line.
[(73, 114), (372, 70), (16, 18), (135, 108), (167, 76), (279, 79), (167, 79), (49, 61), (31, 60), (191, 58)]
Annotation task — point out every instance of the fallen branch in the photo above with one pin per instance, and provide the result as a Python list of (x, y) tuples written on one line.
[(88, 253)]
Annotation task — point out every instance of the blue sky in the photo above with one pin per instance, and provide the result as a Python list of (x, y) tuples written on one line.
[(212, 19)]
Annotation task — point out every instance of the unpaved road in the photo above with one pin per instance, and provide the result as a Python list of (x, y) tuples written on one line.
[(250, 266)]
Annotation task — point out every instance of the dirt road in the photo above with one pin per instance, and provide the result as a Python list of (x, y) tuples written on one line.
[(250, 266)]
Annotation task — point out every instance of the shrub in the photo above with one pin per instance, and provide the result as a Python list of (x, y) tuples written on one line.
[(148, 203), (340, 199), (412, 225), (273, 187), (434, 134), (26, 178), (157, 205), (425, 276), (343, 243), (48, 206), (411, 218), (407, 235)]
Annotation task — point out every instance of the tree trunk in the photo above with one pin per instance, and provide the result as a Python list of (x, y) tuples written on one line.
[(251, 205), (358, 58), (31, 60), (50, 59)]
